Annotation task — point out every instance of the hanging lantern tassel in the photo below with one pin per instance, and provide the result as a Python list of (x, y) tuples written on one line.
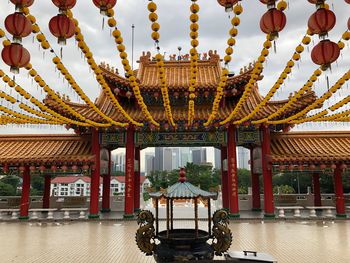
[(327, 79)]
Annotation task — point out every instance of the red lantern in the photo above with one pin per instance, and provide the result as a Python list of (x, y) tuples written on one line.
[(268, 2), (349, 23), (5, 168), (348, 1), (228, 4), (116, 91), (312, 167), (64, 168), (74, 168), (64, 4), (42, 169), (325, 53), (21, 169), (333, 166), (322, 21), (272, 22), (54, 168), (316, 2), (22, 3), (301, 167), (343, 166), (104, 5), (16, 56), (128, 94), (32, 168), (322, 166), (176, 95), (18, 25), (282, 167), (85, 168), (62, 27), (291, 167)]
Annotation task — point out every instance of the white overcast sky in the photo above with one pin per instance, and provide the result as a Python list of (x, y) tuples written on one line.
[(174, 21)]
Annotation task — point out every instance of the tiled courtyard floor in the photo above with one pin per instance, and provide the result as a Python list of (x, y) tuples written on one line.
[(288, 242)]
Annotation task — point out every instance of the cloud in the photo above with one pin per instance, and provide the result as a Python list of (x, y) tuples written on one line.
[(174, 21)]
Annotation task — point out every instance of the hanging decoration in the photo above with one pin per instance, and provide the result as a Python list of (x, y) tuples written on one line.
[(235, 21), (325, 53), (152, 7), (273, 22), (20, 4), (283, 76), (194, 27), (62, 26), (15, 56), (18, 25), (321, 22), (104, 5), (228, 4)]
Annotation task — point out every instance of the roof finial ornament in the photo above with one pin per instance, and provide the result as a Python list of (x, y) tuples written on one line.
[(182, 175)]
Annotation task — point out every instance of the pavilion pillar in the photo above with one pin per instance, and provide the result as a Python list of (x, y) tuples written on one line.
[(129, 174), (232, 171), (137, 181), (106, 192), (224, 180), (267, 173), (317, 189), (95, 176), (24, 206), (47, 191), (255, 185), (339, 193)]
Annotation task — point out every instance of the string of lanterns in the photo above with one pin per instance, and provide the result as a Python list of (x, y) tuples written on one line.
[(98, 73), (11, 83), (153, 17), (59, 65), (130, 73), (306, 88), (256, 73), (281, 79), (317, 102), (235, 21), (194, 27)]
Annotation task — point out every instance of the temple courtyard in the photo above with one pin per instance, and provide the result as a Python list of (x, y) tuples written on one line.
[(114, 241)]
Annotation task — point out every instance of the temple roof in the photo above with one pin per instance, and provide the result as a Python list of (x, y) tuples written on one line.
[(177, 73), (310, 147), (202, 112), (42, 149)]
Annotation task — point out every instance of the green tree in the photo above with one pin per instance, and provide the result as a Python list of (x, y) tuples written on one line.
[(7, 189), (11, 180), (37, 185), (244, 180), (158, 179), (283, 189)]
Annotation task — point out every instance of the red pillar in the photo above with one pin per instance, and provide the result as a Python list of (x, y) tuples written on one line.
[(317, 189), (47, 191), (95, 176), (137, 180), (129, 174), (224, 180), (24, 206), (255, 185), (106, 193), (339, 194), (232, 171), (267, 172)]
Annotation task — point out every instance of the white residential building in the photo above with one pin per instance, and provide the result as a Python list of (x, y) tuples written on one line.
[(80, 185)]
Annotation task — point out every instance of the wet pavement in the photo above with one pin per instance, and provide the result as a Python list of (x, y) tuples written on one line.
[(288, 242)]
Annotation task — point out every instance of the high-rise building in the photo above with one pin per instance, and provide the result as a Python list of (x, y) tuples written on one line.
[(120, 162), (243, 156), (149, 163), (217, 158), (170, 158)]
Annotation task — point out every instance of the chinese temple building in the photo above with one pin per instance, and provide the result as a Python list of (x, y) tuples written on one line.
[(271, 145)]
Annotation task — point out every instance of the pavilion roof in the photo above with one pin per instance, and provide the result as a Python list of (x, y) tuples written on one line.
[(43, 149), (310, 147)]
